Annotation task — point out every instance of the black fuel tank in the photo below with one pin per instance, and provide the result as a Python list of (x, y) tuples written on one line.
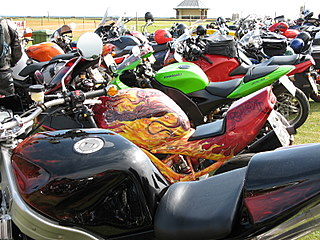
[(91, 178)]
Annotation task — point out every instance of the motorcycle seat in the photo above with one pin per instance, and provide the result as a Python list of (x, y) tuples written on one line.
[(202, 209), (258, 72), (242, 69), (282, 60), (223, 89), (124, 51), (208, 130), (66, 56), (32, 68)]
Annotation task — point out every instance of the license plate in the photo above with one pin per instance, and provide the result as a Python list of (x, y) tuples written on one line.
[(279, 129), (288, 85)]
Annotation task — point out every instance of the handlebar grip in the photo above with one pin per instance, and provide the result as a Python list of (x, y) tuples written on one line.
[(207, 59), (97, 93)]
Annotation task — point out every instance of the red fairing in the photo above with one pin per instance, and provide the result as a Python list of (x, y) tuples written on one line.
[(220, 68), (281, 27), (170, 134), (291, 33), (301, 67), (244, 120)]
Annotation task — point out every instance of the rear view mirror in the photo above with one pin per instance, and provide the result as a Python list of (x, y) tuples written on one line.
[(90, 46)]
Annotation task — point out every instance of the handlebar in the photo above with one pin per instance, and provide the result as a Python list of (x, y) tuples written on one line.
[(71, 98), (205, 58)]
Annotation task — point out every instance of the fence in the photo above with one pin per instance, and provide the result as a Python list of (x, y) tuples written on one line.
[(86, 24)]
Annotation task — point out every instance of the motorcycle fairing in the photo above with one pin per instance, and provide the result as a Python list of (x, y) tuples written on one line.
[(90, 178), (220, 69), (243, 122), (278, 187), (44, 51), (186, 76), (143, 117)]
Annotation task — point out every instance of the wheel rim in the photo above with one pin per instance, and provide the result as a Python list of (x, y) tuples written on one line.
[(289, 107)]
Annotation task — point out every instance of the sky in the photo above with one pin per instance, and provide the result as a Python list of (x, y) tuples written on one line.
[(160, 8)]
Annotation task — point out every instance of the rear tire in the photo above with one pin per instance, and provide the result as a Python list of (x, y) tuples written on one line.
[(294, 108)]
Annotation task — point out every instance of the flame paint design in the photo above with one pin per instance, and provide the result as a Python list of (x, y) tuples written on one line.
[(147, 118), (154, 122)]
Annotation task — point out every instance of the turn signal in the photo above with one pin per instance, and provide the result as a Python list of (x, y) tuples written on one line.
[(112, 90)]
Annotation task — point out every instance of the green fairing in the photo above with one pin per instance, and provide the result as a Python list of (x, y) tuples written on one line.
[(116, 81), (187, 77), (247, 88)]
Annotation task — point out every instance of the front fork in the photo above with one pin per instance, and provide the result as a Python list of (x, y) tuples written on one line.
[(5, 222), (6, 231)]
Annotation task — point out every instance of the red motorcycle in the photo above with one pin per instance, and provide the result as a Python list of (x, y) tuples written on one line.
[(154, 122), (283, 29), (222, 61)]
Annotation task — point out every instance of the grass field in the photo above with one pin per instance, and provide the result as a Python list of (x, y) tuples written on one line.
[(308, 133)]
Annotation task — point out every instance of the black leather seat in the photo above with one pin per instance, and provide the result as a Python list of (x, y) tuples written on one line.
[(208, 130), (32, 68), (200, 210), (223, 89), (282, 60), (258, 72)]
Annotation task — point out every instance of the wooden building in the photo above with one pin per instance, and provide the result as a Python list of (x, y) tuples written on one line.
[(191, 9)]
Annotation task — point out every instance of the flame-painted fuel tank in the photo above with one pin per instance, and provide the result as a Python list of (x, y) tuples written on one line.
[(147, 117), (186, 76), (90, 178)]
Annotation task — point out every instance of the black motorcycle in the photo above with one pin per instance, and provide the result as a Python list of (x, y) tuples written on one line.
[(94, 184)]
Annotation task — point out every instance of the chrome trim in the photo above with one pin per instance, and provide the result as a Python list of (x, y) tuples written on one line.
[(28, 221), (303, 223)]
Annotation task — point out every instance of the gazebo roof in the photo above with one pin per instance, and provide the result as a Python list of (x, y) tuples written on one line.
[(191, 4)]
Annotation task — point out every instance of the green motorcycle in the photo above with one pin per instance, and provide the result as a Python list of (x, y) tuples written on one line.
[(205, 101)]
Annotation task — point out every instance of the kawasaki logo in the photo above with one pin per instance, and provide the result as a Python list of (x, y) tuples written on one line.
[(174, 75)]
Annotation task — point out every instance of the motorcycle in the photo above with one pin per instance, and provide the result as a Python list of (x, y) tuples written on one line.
[(156, 124), (284, 29), (303, 56), (95, 184), (114, 32), (218, 53), (86, 76), (188, 85), (60, 43)]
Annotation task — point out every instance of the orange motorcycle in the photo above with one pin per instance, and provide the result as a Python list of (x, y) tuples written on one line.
[(60, 43)]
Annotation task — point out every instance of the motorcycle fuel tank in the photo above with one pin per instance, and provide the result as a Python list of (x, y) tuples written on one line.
[(93, 179), (147, 117), (44, 51), (187, 77)]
